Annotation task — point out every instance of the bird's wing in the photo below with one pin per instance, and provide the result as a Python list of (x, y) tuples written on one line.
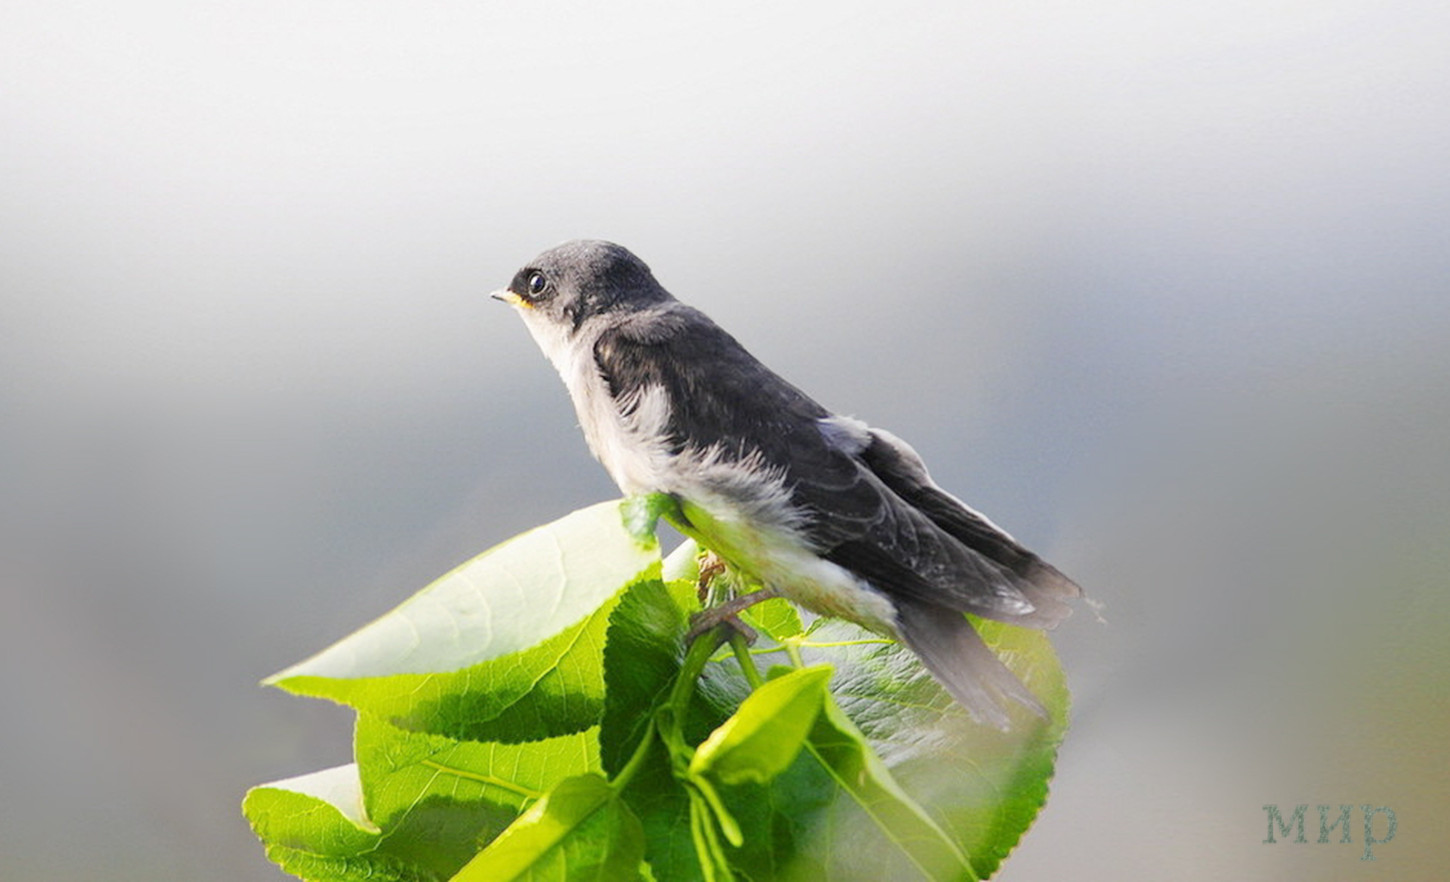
[(861, 524), (878, 513)]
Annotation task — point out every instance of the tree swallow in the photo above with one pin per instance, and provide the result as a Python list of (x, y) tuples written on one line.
[(822, 509)]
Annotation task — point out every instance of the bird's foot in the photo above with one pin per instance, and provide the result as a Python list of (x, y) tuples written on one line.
[(727, 614)]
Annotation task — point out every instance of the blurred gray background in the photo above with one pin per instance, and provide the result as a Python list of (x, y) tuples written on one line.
[(1162, 288)]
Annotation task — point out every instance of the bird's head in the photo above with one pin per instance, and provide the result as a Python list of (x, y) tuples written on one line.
[(568, 286)]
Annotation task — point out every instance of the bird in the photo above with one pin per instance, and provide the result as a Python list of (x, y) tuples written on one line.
[(833, 514)]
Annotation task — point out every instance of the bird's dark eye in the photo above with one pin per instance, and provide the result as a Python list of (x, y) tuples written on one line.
[(537, 284)]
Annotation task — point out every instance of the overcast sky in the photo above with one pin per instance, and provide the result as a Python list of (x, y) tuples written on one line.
[(1161, 288)]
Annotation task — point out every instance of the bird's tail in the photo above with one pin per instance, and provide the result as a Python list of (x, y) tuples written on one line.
[(1046, 588), (954, 653)]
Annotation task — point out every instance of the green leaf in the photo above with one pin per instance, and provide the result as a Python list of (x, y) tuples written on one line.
[(775, 618), (982, 786), (987, 786), (322, 810), (663, 809), (842, 750), (517, 630), (642, 512), (415, 806), (683, 564), (762, 738), (439, 799), (681, 572), (510, 598), (554, 688), (371, 867), (641, 657), (580, 830), (315, 828)]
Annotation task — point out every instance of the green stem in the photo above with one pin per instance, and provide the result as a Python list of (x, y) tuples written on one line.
[(641, 751), (742, 656), (728, 825), (714, 865), (696, 656), (669, 719), (793, 649), (670, 715), (872, 641)]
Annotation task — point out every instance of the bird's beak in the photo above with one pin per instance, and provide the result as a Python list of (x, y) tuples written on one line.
[(510, 298)]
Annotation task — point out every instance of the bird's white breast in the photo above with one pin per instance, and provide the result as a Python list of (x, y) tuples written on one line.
[(631, 448)]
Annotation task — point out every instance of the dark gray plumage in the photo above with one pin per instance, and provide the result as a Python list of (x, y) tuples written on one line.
[(838, 516)]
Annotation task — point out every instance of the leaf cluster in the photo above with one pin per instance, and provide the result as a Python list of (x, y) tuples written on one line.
[(539, 713)]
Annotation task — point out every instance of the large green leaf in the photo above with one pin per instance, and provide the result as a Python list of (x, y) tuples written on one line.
[(984, 787), (903, 836), (517, 631)]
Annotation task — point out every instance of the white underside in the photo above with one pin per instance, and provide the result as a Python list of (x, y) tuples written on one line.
[(781, 560)]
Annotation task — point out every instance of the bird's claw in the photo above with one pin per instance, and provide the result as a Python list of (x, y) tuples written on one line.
[(727, 613), (708, 620)]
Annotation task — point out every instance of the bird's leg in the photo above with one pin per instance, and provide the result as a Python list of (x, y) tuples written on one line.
[(711, 566), (727, 611)]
